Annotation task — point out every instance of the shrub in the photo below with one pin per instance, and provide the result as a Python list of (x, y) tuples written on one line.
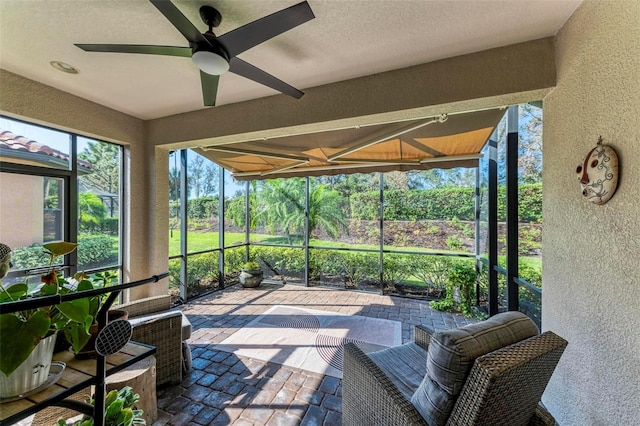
[(462, 277), (94, 249)]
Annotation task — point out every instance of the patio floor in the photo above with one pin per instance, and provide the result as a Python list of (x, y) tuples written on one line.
[(223, 388)]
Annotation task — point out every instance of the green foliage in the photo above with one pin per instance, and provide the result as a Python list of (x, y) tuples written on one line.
[(119, 410), (91, 249), (447, 202), (281, 206), (202, 208), (433, 271), (454, 243), (91, 210), (395, 269), (235, 211), (94, 248), (462, 277)]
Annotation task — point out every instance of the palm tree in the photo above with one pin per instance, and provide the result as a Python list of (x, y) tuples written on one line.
[(282, 206)]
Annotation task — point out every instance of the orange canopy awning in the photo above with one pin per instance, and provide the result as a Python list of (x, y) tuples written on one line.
[(434, 142)]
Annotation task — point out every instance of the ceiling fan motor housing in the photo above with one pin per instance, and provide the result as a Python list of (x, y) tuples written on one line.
[(210, 57)]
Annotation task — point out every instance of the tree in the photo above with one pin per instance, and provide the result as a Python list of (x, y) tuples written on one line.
[(281, 205), (530, 144), (196, 174), (91, 211), (105, 173)]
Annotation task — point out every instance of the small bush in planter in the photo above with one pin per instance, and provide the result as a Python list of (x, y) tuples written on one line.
[(250, 266)]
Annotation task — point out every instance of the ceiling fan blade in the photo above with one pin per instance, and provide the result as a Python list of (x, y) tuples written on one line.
[(246, 70), (182, 24), (137, 48), (256, 32), (209, 88)]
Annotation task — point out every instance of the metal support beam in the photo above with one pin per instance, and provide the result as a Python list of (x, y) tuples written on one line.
[(306, 231), (385, 135), (512, 208), (477, 230), (183, 223), (247, 217), (381, 222), (221, 229), (493, 226)]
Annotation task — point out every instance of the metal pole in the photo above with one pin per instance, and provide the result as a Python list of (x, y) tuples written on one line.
[(306, 232), (71, 201), (247, 218), (493, 226), (221, 229), (477, 230), (183, 224), (512, 208), (381, 225)]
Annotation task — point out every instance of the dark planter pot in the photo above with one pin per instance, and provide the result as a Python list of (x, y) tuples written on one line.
[(89, 350), (250, 278)]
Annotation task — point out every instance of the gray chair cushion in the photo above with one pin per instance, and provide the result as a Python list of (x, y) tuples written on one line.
[(452, 353), (404, 365), (186, 325)]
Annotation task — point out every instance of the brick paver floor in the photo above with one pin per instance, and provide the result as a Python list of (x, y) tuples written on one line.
[(223, 388)]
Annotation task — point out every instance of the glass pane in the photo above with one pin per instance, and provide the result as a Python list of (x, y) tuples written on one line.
[(202, 203), (28, 144), (234, 213), (174, 204), (346, 269), (344, 211), (203, 275), (278, 212), (31, 213), (430, 210), (530, 193), (280, 263), (233, 259), (99, 204), (423, 276)]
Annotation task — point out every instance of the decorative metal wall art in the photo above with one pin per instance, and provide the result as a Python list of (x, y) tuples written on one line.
[(598, 173)]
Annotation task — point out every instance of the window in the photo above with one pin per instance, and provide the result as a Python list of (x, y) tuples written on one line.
[(44, 198)]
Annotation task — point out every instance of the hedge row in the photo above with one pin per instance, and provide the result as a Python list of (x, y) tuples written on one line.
[(91, 249), (442, 203)]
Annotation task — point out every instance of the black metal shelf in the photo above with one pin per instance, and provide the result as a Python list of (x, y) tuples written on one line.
[(98, 380)]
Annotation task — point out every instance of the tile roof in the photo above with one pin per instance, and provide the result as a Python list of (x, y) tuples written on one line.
[(18, 143)]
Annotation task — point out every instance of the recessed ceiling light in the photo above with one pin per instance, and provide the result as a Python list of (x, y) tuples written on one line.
[(64, 67)]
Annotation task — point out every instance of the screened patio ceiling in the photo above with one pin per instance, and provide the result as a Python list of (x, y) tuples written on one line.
[(444, 141)]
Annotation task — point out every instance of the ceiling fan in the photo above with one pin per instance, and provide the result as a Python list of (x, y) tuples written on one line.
[(215, 55)]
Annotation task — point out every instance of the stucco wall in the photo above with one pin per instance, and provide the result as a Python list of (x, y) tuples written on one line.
[(591, 257), (21, 200)]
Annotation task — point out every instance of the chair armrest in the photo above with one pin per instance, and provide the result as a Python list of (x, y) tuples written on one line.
[(148, 305), (422, 336), (368, 395), (164, 331), (542, 417)]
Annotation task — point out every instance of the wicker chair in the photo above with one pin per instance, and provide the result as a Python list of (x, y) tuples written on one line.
[(503, 387), (155, 324)]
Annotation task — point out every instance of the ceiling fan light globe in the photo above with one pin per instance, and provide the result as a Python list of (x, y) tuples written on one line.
[(210, 62)]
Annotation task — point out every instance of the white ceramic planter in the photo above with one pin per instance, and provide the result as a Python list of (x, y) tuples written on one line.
[(33, 372)]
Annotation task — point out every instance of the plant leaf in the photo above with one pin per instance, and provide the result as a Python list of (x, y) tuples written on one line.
[(19, 338), (59, 248), (77, 335), (75, 310), (13, 292)]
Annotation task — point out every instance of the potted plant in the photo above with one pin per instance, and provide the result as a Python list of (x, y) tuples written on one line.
[(27, 337), (119, 410), (250, 274)]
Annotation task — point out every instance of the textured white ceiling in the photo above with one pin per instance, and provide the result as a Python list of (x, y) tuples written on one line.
[(347, 39)]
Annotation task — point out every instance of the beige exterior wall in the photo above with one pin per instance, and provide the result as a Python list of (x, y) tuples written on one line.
[(21, 210), (591, 257)]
